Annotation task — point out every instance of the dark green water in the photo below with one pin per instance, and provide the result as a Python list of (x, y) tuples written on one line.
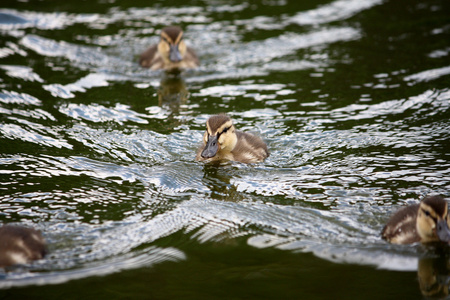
[(352, 97)]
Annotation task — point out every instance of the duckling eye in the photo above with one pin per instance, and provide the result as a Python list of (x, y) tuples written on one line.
[(226, 129), (428, 214)]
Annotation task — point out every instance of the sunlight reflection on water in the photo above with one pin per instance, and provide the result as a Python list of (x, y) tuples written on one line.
[(93, 158)]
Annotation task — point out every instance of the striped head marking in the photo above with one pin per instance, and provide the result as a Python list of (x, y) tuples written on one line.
[(172, 46), (218, 124), (220, 135), (172, 34), (433, 220)]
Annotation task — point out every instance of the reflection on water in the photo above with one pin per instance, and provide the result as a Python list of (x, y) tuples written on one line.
[(434, 276), (352, 98), (172, 92)]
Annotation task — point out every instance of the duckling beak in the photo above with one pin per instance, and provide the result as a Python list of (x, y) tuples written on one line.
[(443, 231), (174, 54), (211, 148)]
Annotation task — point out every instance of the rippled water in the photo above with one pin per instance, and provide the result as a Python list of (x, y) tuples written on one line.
[(352, 98)]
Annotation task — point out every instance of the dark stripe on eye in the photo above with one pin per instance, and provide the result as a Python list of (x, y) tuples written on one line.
[(223, 131), (427, 213)]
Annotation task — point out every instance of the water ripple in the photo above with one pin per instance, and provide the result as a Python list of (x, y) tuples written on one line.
[(428, 75), (262, 52), (11, 19), (98, 113), (108, 174), (335, 11), (432, 101), (84, 56), (147, 258), (22, 72), (33, 133), (18, 98)]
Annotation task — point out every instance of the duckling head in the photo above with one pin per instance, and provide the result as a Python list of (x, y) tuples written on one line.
[(433, 220), (171, 46), (220, 135)]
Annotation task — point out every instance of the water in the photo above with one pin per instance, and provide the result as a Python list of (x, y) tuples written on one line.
[(352, 98)]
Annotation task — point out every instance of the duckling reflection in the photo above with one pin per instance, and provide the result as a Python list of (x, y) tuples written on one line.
[(218, 181), (222, 142), (172, 92), (425, 222), (171, 53), (434, 276), (20, 245)]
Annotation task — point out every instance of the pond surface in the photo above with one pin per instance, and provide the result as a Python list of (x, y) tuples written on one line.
[(351, 96)]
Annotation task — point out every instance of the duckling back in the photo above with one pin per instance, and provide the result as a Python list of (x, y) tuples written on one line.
[(249, 148), (401, 227), (19, 245)]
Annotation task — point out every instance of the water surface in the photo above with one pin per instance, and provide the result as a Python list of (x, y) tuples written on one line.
[(352, 98)]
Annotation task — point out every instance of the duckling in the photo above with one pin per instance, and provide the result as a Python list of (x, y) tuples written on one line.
[(222, 141), (425, 222), (20, 245), (171, 53)]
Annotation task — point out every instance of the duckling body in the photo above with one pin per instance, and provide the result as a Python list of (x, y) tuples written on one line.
[(20, 245), (425, 222), (222, 142), (171, 53)]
